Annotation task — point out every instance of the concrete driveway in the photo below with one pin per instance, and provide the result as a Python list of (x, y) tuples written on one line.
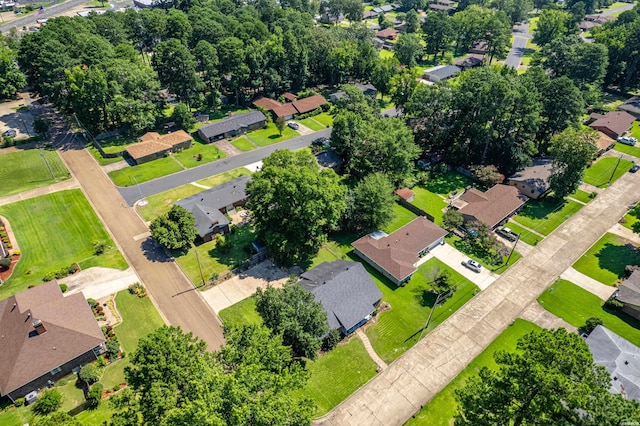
[(453, 258), (98, 282)]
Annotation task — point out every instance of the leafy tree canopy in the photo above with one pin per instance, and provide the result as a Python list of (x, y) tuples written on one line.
[(175, 230), (572, 150)]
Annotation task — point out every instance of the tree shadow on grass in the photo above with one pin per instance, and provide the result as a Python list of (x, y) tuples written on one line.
[(541, 209), (614, 258), (425, 297)]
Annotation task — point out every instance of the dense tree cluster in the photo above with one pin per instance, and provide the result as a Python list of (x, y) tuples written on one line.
[(175, 229)]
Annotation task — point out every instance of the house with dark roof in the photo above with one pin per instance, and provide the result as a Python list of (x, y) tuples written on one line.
[(153, 145), (441, 72), (632, 106), (442, 8), (396, 255), (346, 291), (533, 181), (613, 124), (492, 207), (232, 126), (629, 295), (471, 60), (44, 336), (620, 358), (366, 89), (209, 206)]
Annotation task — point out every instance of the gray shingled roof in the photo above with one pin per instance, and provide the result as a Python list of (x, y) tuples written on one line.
[(620, 357), (629, 291), (345, 290), (535, 176), (231, 124), (206, 206), (445, 72)]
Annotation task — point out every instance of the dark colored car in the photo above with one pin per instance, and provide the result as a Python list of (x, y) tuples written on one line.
[(634, 168)]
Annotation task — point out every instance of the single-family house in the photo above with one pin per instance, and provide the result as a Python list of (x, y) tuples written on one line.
[(620, 358), (441, 72), (533, 181), (309, 104), (44, 336), (346, 291), (153, 145), (370, 14), (387, 34), (209, 206), (406, 194), (632, 106), (366, 89), (480, 47), (604, 143), (232, 126), (441, 8), (613, 124), (492, 207), (265, 103), (396, 255), (471, 60), (588, 25), (289, 97), (629, 295), (144, 4)]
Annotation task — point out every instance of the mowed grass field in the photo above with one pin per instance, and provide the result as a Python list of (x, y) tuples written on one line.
[(606, 171), (24, 170), (54, 231)]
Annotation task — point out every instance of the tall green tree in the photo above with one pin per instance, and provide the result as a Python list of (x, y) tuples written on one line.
[(383, 72), (408, 49), (370, 204), (176, 68), (572, 150), (554, 24), (562, 107), (438, 32), (11, 79), (183, 117), (294, 204), (174, 230), (293, 313)]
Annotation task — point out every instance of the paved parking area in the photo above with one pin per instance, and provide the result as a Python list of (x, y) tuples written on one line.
[(19, 120), (453, 258)]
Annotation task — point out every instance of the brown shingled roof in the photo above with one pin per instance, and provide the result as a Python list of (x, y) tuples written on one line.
[(266, 103), (309, 104), (153, 143), (405, 193), (398, 252), (71, 330), (617, 122), (493, 206), (285, 110), (290, 96)]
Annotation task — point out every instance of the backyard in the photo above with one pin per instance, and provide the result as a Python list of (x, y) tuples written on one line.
[(24, 170), (606, 259), (401, 218), (442, 408), (398, 329), (606, 171), (75, 227), (270, 135), (546, 214), (444, 184), (431, 203), (575, 305)]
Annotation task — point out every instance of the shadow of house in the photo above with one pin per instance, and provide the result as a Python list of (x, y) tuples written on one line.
[(533, 181), (492, 207), (209, 206), (397, 254), (232, 126), (346, 291), (45, 336)]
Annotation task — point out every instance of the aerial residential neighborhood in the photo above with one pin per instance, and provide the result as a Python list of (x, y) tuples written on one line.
[(328, 213)]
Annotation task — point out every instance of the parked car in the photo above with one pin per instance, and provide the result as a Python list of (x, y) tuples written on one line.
[(10, 133), (634, 168), (293, 125), (473, 265), (627, 140), (322, 141), (506, 233)]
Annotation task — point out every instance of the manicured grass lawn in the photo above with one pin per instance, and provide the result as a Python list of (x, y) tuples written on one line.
[(54, 231), (635, 129), (270, 135), (583, 196), (546, 214), (575, 305), (145, 172), (485, 261), (221, 178), (430, 203), (448, 182), (631, 218), (441, 409), (241, 313), (605, 260), (600, 173), (384, 53), (402, 217), (24, 170), (337, 374), (631, 150), (212, 261), (312, 124), (398, 329), (525, 235), (243, 144), (324, 118), (72, 394), (117, 143), (100, 159), (189, 157)]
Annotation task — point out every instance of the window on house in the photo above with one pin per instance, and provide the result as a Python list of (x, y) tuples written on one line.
[(55, 371)]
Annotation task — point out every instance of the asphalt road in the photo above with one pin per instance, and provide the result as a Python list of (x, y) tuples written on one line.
[(521, 35), (617, 9), (132, 193), (177, 300), (49, 12)]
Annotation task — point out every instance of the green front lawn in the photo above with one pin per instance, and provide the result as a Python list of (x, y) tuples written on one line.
[(270, 135), (100, 159), (575, 305), (189, 157), (241, 313), (631, 150), (525, 235), (243, 144), (24, 170), (337, 374), (583, 196), (481, 257), (631, 218), (212, 261), (546, 214), (402, 217), (398, 329), (441, 409), (635, 129), (312, 124), (431, 203), (448, 182), (324, 118), (54, 231), (606, 259), (221, 178), (606, 171), (145, 172)]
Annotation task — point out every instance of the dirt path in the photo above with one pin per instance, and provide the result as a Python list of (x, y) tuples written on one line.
[(171, 291)]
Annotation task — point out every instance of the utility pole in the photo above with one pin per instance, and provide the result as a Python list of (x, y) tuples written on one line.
[(199, 264), (142, 201), (614, 169), (513, 249), (47, 163)]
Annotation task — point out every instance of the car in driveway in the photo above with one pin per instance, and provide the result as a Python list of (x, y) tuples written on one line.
[(627, 140), (473, 265), (506, 233), (634, 168), (293, 125), (10, 133)]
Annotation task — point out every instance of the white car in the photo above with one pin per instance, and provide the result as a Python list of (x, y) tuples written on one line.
[(473, 265), (627, 141), (293, 125)]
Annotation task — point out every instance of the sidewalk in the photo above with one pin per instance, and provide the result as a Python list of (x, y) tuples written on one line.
[(545, 319), (70, 183), (372, 353), (625, 233), (603, 291)]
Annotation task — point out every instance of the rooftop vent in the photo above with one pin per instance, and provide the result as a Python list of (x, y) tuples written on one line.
[(39, 327)]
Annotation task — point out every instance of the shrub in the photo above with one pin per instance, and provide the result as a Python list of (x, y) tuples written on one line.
[(73, 268), (5, 262), (49, 277), (487, 175), (138, 289), (90, 374), (591, 323), (94, 396), (64, 287), (113, 347), (19, 402), (116, 388), (331, 340), (99, 247), (49, 402), (613, 304)]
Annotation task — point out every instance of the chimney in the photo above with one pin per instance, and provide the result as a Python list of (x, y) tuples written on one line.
[(39, 327)]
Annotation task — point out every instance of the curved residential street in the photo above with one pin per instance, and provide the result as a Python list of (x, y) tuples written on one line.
[(398, 392)]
